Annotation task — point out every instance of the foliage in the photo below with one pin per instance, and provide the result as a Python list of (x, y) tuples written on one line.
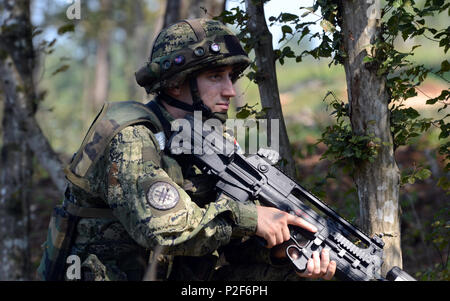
[(439, 238), (346, 149), (408, 20), (68, 58), (400, 18)]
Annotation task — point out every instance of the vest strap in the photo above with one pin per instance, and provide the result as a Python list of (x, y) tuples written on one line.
[(87, 212), (165, 124)]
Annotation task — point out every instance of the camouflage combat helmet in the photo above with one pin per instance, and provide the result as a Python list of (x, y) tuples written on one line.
[(187, 47)]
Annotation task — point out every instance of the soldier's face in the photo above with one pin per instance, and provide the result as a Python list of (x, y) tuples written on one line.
[(216, 88)]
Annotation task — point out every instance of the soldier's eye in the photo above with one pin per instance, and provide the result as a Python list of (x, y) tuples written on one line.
[(216, 76)]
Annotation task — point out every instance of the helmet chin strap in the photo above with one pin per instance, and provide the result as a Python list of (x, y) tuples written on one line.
[(197, 102), (197, 105)]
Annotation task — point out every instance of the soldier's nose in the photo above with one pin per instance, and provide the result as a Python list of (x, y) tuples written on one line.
[(228, 89)]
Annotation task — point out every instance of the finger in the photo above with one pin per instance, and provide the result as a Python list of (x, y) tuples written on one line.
[(286, 234), (279, 237), (324, 261), (330, 271), (271, 241), (298, 221), (309, 269), (316, 260)]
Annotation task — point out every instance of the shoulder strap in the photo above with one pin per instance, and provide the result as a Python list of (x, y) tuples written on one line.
[(112, 118), (163, 121)]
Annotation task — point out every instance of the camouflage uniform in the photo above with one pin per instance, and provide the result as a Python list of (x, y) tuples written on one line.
[(194, 230), (122, 178)]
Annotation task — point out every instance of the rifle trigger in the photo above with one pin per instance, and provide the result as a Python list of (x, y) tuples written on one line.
[(297, 257)]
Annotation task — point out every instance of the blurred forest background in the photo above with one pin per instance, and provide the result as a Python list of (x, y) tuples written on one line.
[(84, 62)]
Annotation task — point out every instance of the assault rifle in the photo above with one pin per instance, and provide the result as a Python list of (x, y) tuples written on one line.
[(358, 257)]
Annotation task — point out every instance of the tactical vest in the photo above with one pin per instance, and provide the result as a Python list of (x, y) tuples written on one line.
[(112, 118)]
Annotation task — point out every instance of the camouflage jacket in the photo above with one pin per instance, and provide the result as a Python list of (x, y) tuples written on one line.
[(184, 234)]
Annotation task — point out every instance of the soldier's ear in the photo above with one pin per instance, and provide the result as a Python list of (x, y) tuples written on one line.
[(173, 91)]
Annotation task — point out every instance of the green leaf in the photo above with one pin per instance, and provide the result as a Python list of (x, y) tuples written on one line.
[(411, 180), (397, 3), (262, 114), (405, 35), (66, 28), (37, 32), (445, 66), (243, 114), (51, 43), (310, 8), (444, 183), (431, 101), (327, 26), (286, 17), (61, 69), (423, 174), (286, 29), (368, 59), (305, 14), (305, 31)]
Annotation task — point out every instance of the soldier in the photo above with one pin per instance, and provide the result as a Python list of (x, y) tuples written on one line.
[(128, 196)]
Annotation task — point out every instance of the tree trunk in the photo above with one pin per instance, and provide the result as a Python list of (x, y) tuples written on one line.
[(192, 9), (16, 157), (101, 86), (21, 138), (267, 80), (378, 181), (172, 13), (138, 34), (177, 10), (15, 182), (87, 94)]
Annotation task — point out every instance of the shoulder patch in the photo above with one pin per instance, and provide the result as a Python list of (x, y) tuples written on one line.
[(162, 195)]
